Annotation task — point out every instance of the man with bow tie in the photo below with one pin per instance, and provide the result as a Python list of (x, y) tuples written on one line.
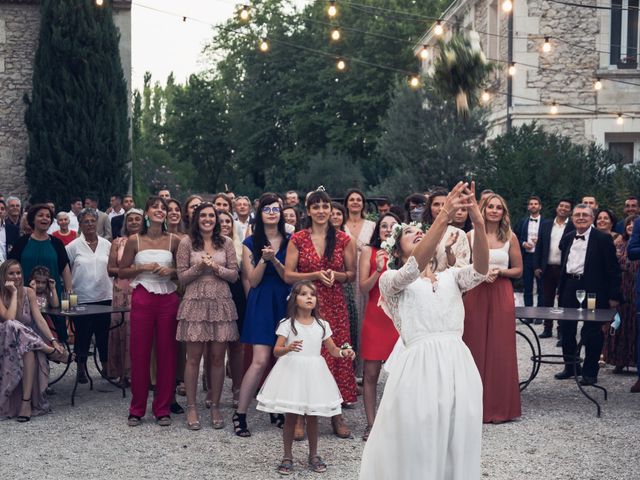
[(528, 232), (588, 263)]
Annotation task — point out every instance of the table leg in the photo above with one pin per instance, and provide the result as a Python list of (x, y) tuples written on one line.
[(66, 368), (576, 360), (536, 351)]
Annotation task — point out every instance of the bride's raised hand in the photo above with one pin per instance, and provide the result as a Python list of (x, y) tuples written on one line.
[(474, 209), (459, 197)]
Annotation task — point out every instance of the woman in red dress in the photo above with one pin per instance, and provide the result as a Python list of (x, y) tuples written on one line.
[(327, 257), (490, 312), (379, 335)]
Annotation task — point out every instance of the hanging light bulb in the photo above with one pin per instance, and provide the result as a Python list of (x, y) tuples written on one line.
[(332, 11), (546, 46), (438, 29), (244, 13), (512, 69), (341, 64), (424, 53), (99, 3), (264, 45), (619, 120), (554, 108), (485, 97), (335, 34), (507, 6), (184, 19), (597, 85), (414, 82)]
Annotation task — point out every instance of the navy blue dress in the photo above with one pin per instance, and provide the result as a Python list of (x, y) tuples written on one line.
[(266, 304)]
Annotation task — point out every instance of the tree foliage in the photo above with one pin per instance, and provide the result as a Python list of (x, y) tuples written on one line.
[(76, 117)]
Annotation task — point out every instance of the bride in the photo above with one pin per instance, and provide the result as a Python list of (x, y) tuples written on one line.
[(429, 424)]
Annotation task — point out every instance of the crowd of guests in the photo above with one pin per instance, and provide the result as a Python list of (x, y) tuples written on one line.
[(210, 282)]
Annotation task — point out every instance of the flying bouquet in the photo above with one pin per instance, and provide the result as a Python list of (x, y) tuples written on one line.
[(461, 70)]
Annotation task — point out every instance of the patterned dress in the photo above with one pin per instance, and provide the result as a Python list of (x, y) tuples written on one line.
[(119, 358), (620, 349), (332, 306)]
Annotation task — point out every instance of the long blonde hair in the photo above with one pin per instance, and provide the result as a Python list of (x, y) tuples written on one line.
[(504, 229)]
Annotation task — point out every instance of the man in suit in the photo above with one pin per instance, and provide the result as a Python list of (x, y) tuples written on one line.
[(117, 221), (528, 232), (588, 263), (548, 256), (104, 224), (9, 233), (630, 208)]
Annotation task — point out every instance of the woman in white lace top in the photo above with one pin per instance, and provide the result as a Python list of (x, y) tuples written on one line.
[(429, 424)]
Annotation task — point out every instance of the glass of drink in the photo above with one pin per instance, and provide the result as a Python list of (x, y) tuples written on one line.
[(591, 301), (73, 300), (580, 296), (64, 302)]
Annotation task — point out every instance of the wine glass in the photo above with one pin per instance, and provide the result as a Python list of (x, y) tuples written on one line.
[(580, 296)]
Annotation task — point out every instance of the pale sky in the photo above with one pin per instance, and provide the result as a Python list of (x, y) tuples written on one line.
[(162, 43)]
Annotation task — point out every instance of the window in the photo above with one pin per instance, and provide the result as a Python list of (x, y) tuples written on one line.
[(493, 51), (624, 33), (624, 149)]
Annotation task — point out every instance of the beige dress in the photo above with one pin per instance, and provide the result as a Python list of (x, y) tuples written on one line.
[(207, 312), (119, 359)]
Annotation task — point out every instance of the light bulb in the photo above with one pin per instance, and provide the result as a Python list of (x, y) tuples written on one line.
[(554, 108), (546, 46), (335, 34), (414, 82), (244, 13), (438, 30), (332, 11), (99, 3), (619, 120), (485, 97), (507, 6), (597, 85), (424, 53), (512, 69), (341, 65), (264, 46)]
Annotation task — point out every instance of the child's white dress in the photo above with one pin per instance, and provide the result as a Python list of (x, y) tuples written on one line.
[(300, 382)]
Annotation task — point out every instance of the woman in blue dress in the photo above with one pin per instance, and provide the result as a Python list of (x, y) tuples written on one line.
[(263, 256)]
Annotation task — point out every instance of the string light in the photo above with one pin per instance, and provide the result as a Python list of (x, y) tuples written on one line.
[(438, 29), (99, 3), (341, 65), (554, 108), (619, 120), (335, 34), (264, 45), (414, 82), (485, 97), (597, 85), (332, 11), (424, 53), (546, 46), (507, 6), (512, 69), (184, 19), (244, 13)]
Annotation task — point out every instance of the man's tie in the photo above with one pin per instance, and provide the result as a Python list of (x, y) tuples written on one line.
[(533, 220), (579, 237)]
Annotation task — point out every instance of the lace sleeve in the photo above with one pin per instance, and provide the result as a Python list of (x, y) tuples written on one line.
[(392, 283), (461, 250), (467, 278)]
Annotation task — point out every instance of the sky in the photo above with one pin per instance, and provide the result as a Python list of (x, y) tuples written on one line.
[(162, 43)]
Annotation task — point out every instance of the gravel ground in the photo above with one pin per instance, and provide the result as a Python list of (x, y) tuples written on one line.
[(558, 437)]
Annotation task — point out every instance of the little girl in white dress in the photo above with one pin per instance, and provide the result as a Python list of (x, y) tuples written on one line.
[(300, 383)]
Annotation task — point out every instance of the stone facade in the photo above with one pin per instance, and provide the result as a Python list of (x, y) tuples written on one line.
[(580, 42), (19, 30)]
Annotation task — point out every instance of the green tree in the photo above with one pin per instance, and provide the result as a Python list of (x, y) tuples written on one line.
[(76, 116)]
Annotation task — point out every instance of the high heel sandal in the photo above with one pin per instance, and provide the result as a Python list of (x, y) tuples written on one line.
[(219, 423), (193, 425), (58, 357), (24, 418), (240, 424)]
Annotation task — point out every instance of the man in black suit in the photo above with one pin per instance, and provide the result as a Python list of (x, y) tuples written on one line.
[(528, 232), (9, 233), (588, 263), (548, 256)]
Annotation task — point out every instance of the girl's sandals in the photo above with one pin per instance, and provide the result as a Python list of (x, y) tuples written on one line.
[(193, 425), (316, 464), (286, 466), (24, 418), (240, 425)]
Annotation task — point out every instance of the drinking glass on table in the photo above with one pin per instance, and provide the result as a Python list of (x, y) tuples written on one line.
[(64, 302), (73, 300), (580, 296), (591, 302)]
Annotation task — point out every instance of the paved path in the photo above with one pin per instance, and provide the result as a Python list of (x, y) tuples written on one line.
[(558, 437)]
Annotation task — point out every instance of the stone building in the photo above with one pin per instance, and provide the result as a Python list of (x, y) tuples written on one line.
[(578, 85), (19, 30)]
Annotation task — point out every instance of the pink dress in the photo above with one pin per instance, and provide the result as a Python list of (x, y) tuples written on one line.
[(18, 337), (119, 359)]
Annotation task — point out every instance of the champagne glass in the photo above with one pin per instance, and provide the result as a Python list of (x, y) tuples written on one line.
[(580, 296), (64, 302)]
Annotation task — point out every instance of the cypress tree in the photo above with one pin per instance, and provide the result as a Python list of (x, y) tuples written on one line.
[(76, 117)]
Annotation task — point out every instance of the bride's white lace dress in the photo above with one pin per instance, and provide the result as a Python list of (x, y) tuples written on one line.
[(429, 423)]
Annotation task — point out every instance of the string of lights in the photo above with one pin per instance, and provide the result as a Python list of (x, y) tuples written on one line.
[(619, 8)]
